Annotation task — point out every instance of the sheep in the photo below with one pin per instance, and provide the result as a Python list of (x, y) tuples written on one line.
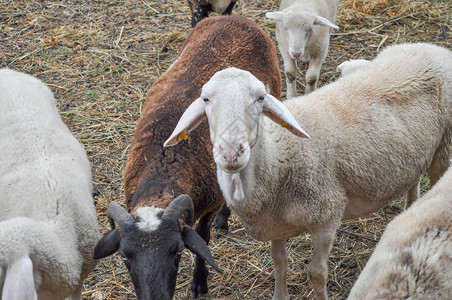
[(154, 175), (48, 224), (413, 259), (299, 39), (373, 133), (200, 9), (350, 65)]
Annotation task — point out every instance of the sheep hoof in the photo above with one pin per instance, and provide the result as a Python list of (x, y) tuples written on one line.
[(198, 290)]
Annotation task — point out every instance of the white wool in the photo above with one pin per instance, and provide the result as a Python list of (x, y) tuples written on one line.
[(239, 195), (351, 65), (46, 186), (149, 221)]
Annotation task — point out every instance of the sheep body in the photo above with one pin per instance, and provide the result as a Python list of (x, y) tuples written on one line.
[(350, 65), (154, 175), (413, 259), (46, 208), (386, 124), (299, 38)]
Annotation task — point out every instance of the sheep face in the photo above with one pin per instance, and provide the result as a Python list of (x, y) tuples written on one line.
[(233, 101), (150, 244), (298, 30), (297, 27), (233, 124), (147, 253)]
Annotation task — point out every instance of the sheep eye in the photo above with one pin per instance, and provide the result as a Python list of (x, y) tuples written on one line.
[(205, 100), (260, 99)]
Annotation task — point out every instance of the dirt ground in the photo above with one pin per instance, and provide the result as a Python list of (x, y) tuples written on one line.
[(100, 57)]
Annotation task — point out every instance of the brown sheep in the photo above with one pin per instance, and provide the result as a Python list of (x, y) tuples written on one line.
[(155, 175)]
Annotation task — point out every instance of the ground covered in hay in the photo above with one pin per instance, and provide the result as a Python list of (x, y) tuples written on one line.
[(100, 57)]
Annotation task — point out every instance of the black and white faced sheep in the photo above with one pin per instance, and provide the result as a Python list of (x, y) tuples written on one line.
[(373, 133), (200, 9), (155, 175), (48, 224), (413, 259)]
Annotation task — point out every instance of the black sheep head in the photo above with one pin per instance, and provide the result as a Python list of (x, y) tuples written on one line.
[(150, 245)]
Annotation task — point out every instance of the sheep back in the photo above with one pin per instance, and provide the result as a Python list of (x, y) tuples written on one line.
[(394, 112), (155, 174), (46, 188)]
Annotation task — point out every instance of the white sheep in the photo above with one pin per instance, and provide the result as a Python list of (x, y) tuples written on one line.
[(413, 259), (48, 224), (350, 65), (374, 132), (300, 39)]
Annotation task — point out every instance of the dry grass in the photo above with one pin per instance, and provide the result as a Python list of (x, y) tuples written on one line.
[(100, 57)]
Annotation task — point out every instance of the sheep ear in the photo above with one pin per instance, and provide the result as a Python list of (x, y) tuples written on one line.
[(192, 117), (196, 244), (278, 112), (275, 15), (108, 244), (322, 21)]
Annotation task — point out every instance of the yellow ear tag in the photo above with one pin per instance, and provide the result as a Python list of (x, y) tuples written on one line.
[(285, 125), (182, 136)]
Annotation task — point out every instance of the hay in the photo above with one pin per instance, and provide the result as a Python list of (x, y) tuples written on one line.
[(100, 57)]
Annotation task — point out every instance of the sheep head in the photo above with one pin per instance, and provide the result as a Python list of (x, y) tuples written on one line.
[(297, 26), (151, 243), (233, 101)]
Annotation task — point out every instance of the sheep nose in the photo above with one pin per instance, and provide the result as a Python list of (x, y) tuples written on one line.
[(296, 54), (231, 156)]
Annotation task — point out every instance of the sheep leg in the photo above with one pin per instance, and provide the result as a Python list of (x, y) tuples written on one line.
[(200, 273), (322, 241), (76, 294), (439, 165), (312, 75), (220, 222), (228, 10), (279, 256), (19, 282), (290, 69), (2, 277), (412, 194)]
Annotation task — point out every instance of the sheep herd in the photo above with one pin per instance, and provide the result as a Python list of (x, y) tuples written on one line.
[(214, 134)]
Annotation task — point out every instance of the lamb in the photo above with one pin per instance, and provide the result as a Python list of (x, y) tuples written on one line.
[(350, 65), (200, 9), (154, 175), (300, 39), (373, 133), (48, 224), (413, 259)]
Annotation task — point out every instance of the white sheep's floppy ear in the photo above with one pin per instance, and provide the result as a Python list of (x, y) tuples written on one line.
[(191, 118), (278, 112), (275, 15), (322, 21)]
